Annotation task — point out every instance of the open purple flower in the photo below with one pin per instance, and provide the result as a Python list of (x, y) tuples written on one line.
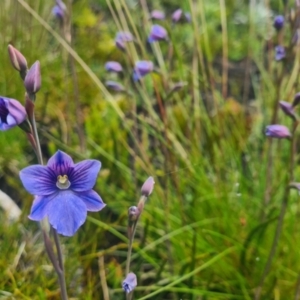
[(63, 191), (278, 131), (59, 10), (113, 66), (12, 113), (129, 282), (141, 69), (279, 53), (177, 14), (157, 33)]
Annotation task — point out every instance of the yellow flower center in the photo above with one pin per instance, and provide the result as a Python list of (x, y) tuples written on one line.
[(63, 182)]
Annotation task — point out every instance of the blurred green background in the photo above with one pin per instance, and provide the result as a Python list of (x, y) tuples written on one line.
[(207, 229)]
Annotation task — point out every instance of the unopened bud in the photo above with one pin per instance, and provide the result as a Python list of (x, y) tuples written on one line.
[(147, 187), (296, 100), (278, 131), (288, 109), (32, 80), (133, 213), (18, 60)]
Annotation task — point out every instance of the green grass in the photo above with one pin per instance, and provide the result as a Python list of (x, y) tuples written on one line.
[(201, 235)]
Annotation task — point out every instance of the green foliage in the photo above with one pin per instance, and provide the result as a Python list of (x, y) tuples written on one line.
[(201, 235)]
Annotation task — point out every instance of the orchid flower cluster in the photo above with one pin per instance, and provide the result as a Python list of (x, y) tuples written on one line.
[(63, 190)]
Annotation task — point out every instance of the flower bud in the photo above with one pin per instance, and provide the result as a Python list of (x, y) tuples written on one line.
[(278, 131), (178, 86), (32, 80), (129, 283), (288, 109), (147, 187), (133, 213), (17, 59), (157, 33), (12, 113), (157, 15), (176, 16), (296, 100), (278, 22), (113, 66)]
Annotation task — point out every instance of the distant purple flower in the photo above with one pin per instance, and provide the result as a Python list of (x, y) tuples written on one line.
[(277, 131), (129, 283), (113, 66), (63, 191), (176, 16), (141, 69), (122, 38), (288, 109), (278, 22), (279, 53), (157, 15), (59, 10), (115, 86), (157, 33), (188, 17), (12, 113)]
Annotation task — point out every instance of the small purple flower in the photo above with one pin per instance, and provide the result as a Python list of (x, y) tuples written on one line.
[(279, 53), (157, 33), (113, 66), (32, 80), (288, 109), (278, 22), (176, 16), (141, 69), (133, 213), (12, 113), (122, 38), (59, 10), (157, 15), (114, 86), (63, 191), (129, 283), (277, 131)]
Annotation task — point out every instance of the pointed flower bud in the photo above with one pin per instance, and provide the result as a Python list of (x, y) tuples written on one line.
[(133, 213), (141, 69), (122, 38), (176, 16), (157, 33), (296, 100), (17, 59), (12, 113), (113, 66), (278, 131), (278, 22), (288, 109), (178, 86), (147, 187), (129, 283), (114, 86), (32, 80), (157, 15), (279, 53)]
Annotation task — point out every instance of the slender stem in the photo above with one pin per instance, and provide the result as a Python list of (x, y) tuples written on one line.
[(284, 204), (37, 141), (59, 252)]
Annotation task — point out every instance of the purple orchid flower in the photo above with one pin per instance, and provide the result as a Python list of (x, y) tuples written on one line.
[(129, 283), (157, 33), (113, 66), (12, 113), (278, 131), (141, 69), (63, 191), (157, 15), (279, 53)]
